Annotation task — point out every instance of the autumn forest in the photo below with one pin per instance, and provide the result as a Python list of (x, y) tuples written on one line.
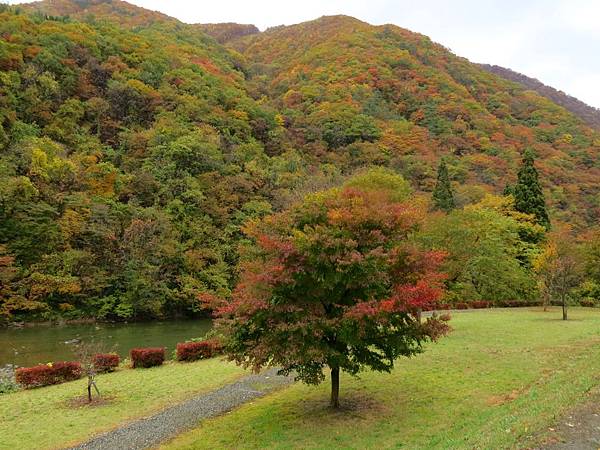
[(140, 154)]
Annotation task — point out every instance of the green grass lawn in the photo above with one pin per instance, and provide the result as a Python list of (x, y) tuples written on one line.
[(498, 381), (45, 418)]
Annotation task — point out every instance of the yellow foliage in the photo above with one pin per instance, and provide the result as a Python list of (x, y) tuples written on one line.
[(71, 223)]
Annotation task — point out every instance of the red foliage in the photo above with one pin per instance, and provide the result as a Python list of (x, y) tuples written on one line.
[(193, 351), (147, 357), (461, 305), (480, 304), (209, 301), (105, 362), (47, 374)]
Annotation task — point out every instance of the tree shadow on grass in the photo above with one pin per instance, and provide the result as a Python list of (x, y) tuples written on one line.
[(353, 405)]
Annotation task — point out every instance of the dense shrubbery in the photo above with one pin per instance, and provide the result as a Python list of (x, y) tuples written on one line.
[(193, 351), (47, 374), (587, 302), (147, 357), (105, 362)]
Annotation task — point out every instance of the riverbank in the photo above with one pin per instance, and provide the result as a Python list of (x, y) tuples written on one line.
[(59, 416), (61, 321)]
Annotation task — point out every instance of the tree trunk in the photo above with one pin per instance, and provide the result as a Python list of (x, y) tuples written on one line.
[(564, 308), (89, 390), (335, 387)]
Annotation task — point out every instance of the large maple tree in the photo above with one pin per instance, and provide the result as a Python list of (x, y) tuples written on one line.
[(334, 283)]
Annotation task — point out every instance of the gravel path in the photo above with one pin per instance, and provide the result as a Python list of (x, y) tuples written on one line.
[(578, 430), (153, 430)]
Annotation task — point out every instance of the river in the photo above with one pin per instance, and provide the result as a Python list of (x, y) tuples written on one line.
[(37, 344)]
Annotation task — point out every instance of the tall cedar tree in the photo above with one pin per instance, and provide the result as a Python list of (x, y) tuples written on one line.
[(443, 198), (529, 197), (333, 283)]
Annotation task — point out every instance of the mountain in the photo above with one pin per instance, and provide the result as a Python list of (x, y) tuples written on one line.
[(354, 94), (133, 146), (587, 113), (115, 11), (225, 32)]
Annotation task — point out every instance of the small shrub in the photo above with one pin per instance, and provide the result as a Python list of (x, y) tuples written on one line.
[(193, 351), (7, 379), (47, 374), (8, 385), (587, 302), (147, 357), (480, 304), (105, 362), (461, 305)]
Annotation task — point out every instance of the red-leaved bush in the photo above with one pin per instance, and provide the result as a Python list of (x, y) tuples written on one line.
[(480, 304), (106, 362), (147, 357), (193, 351), (47, 374), (461, 305)]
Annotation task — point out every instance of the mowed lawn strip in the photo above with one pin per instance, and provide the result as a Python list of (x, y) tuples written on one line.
[(497, 381), (44, 418)]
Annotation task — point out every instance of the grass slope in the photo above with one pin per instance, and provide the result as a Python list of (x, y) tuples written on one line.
[(44, 418), (499, 380)]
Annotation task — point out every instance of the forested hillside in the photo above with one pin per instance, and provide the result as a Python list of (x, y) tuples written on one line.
[(133, 147), (357, 94), (588, 113), (129, 160)]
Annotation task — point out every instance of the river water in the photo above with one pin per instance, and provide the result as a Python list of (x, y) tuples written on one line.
[(29, 346)]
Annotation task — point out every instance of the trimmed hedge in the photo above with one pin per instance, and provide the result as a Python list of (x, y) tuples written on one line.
[(480, 304), (193, 351), (105, 362), (47, 374), (518, 303), (147, 357)]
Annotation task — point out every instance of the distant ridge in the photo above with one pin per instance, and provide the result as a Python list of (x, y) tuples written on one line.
[(585, 112), (225, 32)]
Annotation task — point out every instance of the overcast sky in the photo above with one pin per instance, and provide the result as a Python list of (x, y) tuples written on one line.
[(556, 41)]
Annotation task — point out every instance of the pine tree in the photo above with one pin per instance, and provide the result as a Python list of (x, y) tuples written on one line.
[(443, 198), (509, 189), (529, 197)]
